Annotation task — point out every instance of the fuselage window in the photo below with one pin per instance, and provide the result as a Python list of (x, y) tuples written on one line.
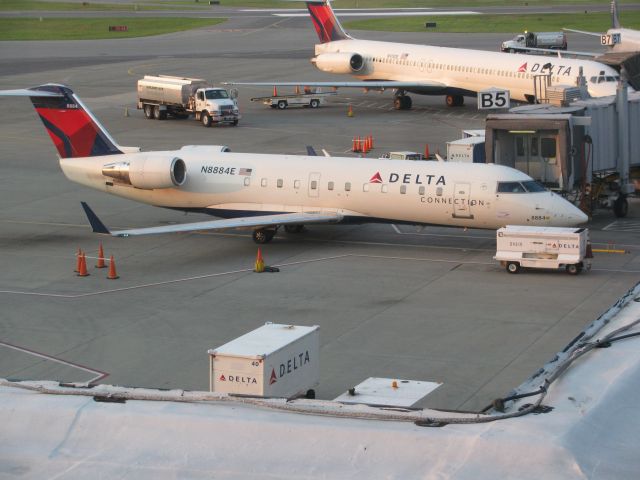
[(279, 183), (263, 182), (365, 187), (439, 191), (510, 187), (314, 184), (247, 181), (330, 186), (421, 190), (403, 189), (385, 188), (296, 184), (347, 187)]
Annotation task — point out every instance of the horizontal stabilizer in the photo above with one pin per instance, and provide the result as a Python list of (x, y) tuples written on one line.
[(25, 92)]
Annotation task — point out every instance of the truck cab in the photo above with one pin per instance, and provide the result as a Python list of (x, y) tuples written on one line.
[(217, 104)]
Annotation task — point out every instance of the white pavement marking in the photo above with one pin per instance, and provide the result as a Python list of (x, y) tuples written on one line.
[(623, 226), (100, 374)]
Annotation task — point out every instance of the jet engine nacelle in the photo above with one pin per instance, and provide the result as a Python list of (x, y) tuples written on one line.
[(343, 62), (148, 173)]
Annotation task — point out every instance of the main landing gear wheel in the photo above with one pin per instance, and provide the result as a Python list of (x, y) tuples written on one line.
[(513, 267), (293, 228), (402, 102), (455, 100), (263, 235)]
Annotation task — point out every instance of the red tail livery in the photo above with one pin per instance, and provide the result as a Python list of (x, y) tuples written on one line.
[(325, 22), (74, 131)]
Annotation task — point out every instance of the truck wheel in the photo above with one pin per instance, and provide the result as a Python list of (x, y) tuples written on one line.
[(282, 104), (621, 206), (573, 269), (156, 112), (148, 111), (235, 123), (314, 103), (513, 267), (205, 118)]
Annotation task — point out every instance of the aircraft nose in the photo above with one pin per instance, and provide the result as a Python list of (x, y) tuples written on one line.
[(565, 214)]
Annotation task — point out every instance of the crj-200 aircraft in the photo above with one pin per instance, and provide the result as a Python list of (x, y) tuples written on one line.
[(265, 192), (429, 70)]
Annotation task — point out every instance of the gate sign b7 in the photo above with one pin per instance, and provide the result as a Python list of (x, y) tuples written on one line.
[(493, 98)]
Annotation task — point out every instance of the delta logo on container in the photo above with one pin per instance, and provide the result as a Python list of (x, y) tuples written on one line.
[(289, 366)]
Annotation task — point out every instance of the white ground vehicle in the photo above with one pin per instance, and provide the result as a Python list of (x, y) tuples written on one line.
[(403, 155), (311, 99), (527, 40), (163, 95), (543, 247)]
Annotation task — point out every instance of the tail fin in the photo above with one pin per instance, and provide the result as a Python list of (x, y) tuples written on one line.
[(74, 130), (325, 22), (615, 22)]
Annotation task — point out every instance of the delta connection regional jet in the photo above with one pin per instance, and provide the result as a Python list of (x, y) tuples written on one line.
[(264, 192), (428, 70)]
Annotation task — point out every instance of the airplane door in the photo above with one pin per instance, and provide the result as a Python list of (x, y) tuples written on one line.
[(461, 197), (314, 184)]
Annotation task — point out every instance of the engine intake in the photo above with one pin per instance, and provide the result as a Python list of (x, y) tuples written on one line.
[(148, 173), (343, 62)]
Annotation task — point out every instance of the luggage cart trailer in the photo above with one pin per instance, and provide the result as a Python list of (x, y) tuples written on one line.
[(543, 247)]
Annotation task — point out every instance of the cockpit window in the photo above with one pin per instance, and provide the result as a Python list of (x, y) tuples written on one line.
[(510, 187), (533, 186)]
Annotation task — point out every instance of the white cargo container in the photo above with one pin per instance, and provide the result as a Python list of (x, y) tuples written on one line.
[(469, 149), (543, 247), (272, 361)]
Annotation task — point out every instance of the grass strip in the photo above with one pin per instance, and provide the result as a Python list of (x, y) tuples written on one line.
[(95, 28), (594, 22)]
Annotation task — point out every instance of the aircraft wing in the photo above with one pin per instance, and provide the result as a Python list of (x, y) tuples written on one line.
[(257, 221), (372, 84), (582, 31)]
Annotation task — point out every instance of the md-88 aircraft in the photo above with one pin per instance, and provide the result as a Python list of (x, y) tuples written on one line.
[(429, 70), (264, 191)]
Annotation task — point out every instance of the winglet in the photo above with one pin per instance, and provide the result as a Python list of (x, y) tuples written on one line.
[(96, 224)]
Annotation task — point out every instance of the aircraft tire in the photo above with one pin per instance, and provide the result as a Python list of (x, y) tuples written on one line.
[(513, 267), (262, 235), (205, 118), (397, 103)]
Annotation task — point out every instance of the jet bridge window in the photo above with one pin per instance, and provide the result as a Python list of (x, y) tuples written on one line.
[(510, 187)]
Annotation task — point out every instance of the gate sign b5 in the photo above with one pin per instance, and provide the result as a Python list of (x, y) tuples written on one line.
[(493, 98)]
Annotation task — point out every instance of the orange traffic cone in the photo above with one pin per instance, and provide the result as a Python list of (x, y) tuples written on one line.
[(82, 268), (350, 111), (426, 151), (354, 147), (259, 268), (275, 91), (371, 140), (78, 260), (100, 263), (112, 275)]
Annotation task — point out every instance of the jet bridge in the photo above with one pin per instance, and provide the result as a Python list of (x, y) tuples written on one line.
[(587, 150)]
